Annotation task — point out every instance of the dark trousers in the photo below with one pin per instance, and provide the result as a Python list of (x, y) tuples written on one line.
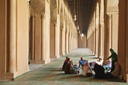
[(113, 65), (109, 75)]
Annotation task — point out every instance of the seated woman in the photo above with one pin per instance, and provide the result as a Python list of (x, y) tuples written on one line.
[(86, 69), (100, 61), (99, 71), (115, 73), (65, 63), (69, 68)]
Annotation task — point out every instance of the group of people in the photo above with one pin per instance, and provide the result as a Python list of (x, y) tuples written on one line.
[(69, 67), (113, 68)]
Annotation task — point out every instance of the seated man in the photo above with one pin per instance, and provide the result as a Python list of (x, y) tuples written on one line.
[(82, 62), (86, 69)]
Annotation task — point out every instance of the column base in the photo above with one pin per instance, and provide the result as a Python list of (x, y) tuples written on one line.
[(100, 56), (63, 53), (67, 52), (10, 76), (55, 57), (126, 78), (96, 54), (38, 61)]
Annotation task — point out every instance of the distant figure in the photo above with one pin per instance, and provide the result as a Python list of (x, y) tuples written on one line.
[(65, 63), (114, 58), (99, 71), (66, 59), (115, 73), (82, 62), (86, 69), (100, 61)]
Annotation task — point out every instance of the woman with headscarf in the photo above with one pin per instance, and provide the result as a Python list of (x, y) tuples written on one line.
[(115, 73), (86, 69), (99, 71), (69, 68), (114, 58)]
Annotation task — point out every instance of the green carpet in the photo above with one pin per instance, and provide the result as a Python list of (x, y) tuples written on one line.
[(52, 74)]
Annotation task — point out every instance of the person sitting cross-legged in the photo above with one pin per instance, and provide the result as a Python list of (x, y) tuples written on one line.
[(82, 62), (65, 63), (116, 72), (69, 68), (86, 69), (99, 71)]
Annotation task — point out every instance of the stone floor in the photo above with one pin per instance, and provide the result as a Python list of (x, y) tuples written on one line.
[(51, 73)]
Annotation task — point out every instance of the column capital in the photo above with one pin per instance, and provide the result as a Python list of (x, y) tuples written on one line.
[(33, 16), (109, 16), (43, 16)]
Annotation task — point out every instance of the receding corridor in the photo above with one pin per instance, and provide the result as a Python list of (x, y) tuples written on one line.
[(37, 35), (52, 74)]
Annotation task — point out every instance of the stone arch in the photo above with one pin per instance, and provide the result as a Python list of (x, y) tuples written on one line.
[(53, 9), (61, 16), (37, 6)]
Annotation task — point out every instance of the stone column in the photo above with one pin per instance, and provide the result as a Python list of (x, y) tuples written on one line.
[(69, 41), (66, 41), (12, 37), (61, 31), (63, 41), (33, 38), (96, 42), (56, 41), (123, 38), (101, 40), (43, 31), (107, 37), (127, 42)]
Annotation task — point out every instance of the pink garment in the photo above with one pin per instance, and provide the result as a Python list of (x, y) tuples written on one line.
[(109, 63), (117, 64)]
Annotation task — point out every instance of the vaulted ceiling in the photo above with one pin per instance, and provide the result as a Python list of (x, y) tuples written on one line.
[(83, 11)]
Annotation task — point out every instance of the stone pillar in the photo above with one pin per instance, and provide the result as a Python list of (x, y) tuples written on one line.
[(43, 41), (33, 38), (63, 41), (66, 41), (96, 41), (61, 31), (123, 38), (101, 41), (54, 41), (115, 31), (57, 29), (12, 37), (101, 30), (69, 41), (126, 42), (107, 37)]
